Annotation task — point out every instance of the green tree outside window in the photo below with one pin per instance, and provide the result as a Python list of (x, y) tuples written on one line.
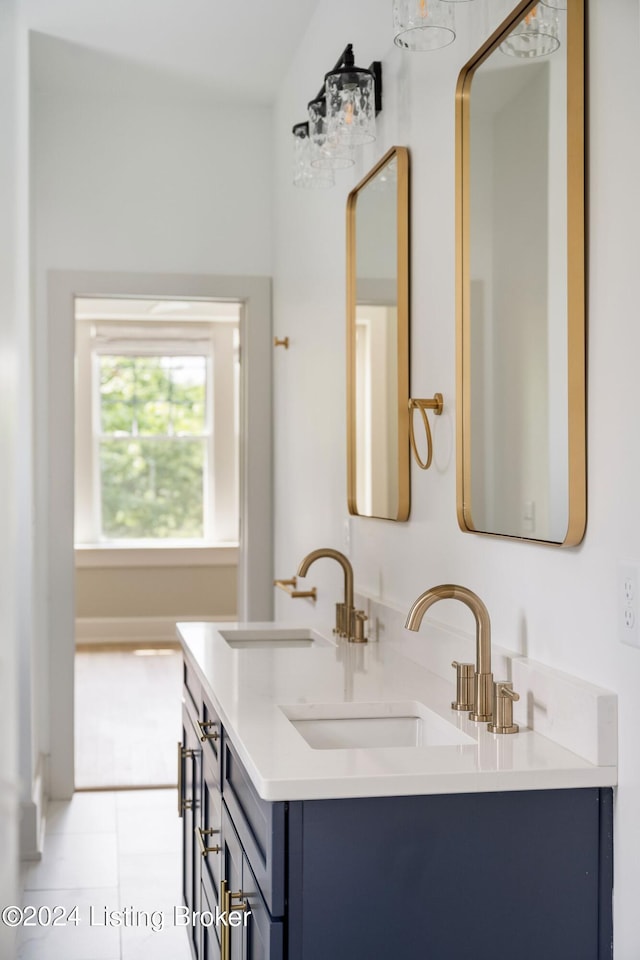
[(153, 441)]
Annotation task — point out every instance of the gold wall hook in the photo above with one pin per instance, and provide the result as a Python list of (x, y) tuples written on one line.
[(281, 343), (289, 586), (437, 405)]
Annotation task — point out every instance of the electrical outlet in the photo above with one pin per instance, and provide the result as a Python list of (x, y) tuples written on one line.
[(627, 604)]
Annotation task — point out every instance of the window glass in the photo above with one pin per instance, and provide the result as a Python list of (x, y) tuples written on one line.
[(152, 488), (152, 446)]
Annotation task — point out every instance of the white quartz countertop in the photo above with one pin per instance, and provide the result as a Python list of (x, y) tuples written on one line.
[(249, 688)]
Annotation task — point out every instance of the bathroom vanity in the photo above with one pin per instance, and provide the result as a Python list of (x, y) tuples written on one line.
[(332, 799)]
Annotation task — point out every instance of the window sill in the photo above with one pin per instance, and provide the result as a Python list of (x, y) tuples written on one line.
[(160, 555)]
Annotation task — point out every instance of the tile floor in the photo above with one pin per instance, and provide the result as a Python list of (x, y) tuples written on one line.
[(119, 851)]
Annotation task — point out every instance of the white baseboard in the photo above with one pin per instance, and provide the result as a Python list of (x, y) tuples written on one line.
[(116, 630), (32, 819)]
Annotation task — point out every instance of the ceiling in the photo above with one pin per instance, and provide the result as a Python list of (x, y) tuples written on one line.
[(239, 49)]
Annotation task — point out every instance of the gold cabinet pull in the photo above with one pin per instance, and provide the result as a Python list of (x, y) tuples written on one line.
[(238, 896), (204, 726), (226, 905), (201, 834), (224, 929), (183, 804), (284, 342)]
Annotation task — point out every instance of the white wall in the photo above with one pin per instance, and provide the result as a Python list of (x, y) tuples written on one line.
[(558, 606), (134, 173), (138, 171), (13, 335)]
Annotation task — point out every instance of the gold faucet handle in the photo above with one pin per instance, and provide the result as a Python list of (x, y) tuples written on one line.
[(503, 699), (464, 686), (359, 620)]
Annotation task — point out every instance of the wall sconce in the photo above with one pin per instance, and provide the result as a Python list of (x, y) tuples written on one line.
[(327, 151), (353, 97), (536, 35), (424, 24), (304, 173), (341, 117)]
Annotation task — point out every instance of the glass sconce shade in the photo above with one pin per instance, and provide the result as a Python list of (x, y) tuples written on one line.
[(350, 104), (535, 36), (304, 174), (423, 24), (327, 152)]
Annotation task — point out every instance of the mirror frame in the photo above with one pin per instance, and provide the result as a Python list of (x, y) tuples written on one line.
[(402, 279), (576, 273)]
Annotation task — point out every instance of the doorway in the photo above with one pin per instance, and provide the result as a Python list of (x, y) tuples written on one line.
[(156, 495), (254, 579)]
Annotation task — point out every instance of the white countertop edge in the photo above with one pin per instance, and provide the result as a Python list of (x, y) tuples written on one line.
[(438, 784)]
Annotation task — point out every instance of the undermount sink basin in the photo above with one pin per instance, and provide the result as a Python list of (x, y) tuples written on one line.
[(350, 726), (262, 639)]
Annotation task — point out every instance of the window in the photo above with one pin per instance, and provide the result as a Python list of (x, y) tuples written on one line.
[(156, 422)]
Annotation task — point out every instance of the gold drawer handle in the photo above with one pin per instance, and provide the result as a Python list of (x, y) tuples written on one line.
[(204, 725), (225, 945), (183, 754), (204, 849), (226, 896), (238, 896)]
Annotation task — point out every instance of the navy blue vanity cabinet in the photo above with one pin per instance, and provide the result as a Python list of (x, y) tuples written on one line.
[(452, 877), (253, 863), (259, 937), (210, 851), (261, 828), (209, 935), (442, 877), (189, 802)]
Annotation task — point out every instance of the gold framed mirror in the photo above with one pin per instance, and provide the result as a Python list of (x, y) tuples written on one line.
[(378, 341), (520, 277)]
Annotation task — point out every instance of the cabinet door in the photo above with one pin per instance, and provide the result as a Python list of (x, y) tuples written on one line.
[(209, 934), (257, 937), (210, 851), (260, 825), (452, 877), (212, 733), (263, 936), (190, 802)]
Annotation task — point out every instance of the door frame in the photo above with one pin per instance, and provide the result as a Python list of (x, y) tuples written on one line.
[(255, 560)]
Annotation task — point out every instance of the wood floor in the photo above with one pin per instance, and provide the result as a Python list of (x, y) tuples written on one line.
[(127, 717)]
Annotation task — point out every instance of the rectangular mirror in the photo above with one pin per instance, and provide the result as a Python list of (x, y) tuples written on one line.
[(378, 340), (521, 279)]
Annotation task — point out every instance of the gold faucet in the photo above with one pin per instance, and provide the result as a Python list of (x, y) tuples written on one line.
[(349, 622), (483, 691)]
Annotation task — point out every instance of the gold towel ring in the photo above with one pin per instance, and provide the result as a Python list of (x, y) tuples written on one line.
[(437, 405)]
